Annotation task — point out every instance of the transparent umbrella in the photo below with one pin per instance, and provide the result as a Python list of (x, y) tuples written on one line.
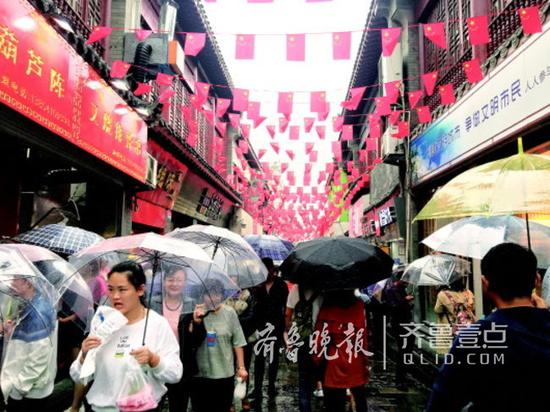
[(160, 256), (76, 296), (434, 270), (228, 250), (474, 236)]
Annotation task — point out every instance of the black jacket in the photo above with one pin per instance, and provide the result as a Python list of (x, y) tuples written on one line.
[(271, 306)]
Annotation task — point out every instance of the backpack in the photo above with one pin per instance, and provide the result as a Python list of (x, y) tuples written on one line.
[(303, 315), (463, 315)]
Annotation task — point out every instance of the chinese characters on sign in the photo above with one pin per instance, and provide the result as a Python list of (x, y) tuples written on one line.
[(44, 79), (210, 205)]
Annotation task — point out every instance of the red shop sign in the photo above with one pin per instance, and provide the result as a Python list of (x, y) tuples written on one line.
[(43, 78)]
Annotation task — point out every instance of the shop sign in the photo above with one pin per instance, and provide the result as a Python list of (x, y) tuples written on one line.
[(170, 175), (510, 98), (210, 204), (43, 78), (386, 215)]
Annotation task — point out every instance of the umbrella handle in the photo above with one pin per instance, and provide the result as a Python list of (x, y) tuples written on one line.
[(528, 231), (155, 268)]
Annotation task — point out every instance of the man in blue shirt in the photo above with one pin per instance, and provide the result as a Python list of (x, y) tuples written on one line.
[(497, 374)]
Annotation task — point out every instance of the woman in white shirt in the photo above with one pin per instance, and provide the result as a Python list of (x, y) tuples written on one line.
[(159, 356)]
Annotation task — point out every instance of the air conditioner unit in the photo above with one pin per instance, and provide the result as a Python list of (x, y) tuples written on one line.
[(391, 67), (151, 176), (389, 143)]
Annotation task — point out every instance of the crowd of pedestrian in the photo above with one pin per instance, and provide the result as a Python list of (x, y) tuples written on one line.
[(192, 360)]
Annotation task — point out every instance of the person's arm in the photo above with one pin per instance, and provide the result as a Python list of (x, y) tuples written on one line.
[(441, 303), (241, 369)]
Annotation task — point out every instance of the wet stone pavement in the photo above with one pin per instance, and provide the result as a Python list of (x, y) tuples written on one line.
[(383, 396)]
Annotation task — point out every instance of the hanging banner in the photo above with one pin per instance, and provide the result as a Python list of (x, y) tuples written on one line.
[(506, 101), (43, 78)]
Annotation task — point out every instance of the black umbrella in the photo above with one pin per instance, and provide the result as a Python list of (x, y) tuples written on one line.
[(334, 263)]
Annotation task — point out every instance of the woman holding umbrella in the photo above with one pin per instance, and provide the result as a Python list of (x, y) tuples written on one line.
[(159, 355)]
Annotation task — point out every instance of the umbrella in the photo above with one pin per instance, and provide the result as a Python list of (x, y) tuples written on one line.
[(474, 236), (160, 255), (513, 185), (375, 290), (270, 246), (59, 238), (332, 263), (68, 283), (228, 250), (434, 270), (27, 300)]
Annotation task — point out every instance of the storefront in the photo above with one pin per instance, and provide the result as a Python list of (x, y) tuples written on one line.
[(484, 125), (199, 202), (72, 149)]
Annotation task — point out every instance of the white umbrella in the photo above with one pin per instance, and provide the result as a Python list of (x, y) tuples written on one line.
[(474, 236)]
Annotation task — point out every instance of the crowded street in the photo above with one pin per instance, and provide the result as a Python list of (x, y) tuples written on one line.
[(274, 205)]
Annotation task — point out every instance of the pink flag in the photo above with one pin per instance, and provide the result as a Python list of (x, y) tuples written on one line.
[(356, 94), (478, 30), (243, 145), (402, 130), (253, 111), (313, 156), (383, 107), (436, 33), (347, 132), (530, 20), (284, 167), (258, 121), (285, 102), (295, 47), (320, 131), (261, 153), (308, 123), (337, 123), (473, 72), (194, 43), (318, 103), (447, 93), (429, 80), (142, 34), (414, 98), (166, 94), (375, 130), (294, 133), (235, 119), (240, 100), (290, 154), (390, 37), (337, 151), (222, 127), (271, 130), (424, 114), (201, 90), (99, 33), (142, 89), (309, 147), (322, 116), (394, 116), (372, 144), (363, 154), (195, 102), (341, 45), (119, 69), (221, 106), (393, 90), (164, 79), (275, 147), (245, 46), (283, 124)]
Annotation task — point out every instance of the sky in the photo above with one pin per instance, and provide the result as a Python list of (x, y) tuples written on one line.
[(269, 72)]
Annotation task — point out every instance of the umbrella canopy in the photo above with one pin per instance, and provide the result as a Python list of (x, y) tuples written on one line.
[(159, 256), (228, 250), (333, 263), (375, 290), (59, 238), (73, 290), (474, 236), (270, 246), (27, 299), (433, 270), (516, 184)]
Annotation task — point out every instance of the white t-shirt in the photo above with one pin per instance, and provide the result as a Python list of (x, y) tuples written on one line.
[(294, 297), (112, 361)]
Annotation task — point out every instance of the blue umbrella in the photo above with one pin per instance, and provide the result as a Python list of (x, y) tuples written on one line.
[(270, 246), (59, 238)]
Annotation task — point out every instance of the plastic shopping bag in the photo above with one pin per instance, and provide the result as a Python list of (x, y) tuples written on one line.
[(136, 393)]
